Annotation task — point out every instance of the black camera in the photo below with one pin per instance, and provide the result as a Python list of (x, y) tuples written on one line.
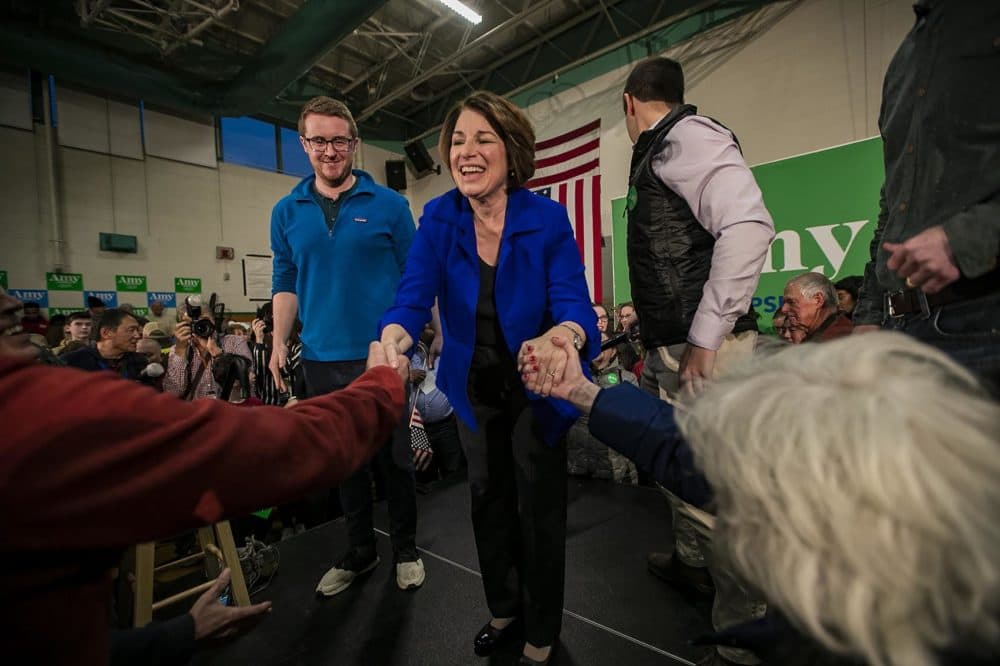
[(202, 328), (266, 314)]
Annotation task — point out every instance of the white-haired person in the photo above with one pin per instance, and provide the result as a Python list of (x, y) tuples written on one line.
[(812, 310), (876, 542)]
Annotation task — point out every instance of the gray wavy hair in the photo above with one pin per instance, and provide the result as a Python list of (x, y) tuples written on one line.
[(813, 283), (876, 534)]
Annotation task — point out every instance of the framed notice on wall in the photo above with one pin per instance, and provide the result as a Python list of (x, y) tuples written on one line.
[(257, 277)]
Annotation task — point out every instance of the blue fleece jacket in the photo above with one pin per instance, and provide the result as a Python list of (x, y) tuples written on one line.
[(344, 277)]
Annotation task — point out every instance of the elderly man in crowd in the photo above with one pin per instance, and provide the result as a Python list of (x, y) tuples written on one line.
[(811, 310)]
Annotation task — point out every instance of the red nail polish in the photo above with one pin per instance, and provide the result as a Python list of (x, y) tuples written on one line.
[(535, 368)]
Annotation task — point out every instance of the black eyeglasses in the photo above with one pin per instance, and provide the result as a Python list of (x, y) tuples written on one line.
[(341, 144)]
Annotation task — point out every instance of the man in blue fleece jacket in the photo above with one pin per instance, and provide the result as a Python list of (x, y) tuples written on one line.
[(340, 242)]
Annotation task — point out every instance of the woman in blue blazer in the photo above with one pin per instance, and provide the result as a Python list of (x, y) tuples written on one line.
[(506, 272)]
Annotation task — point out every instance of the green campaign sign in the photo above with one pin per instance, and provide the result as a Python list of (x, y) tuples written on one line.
[(130, 282), (62, 311), (140, 312), (3, 279), (183, 285), (825, 208), (64, 281)]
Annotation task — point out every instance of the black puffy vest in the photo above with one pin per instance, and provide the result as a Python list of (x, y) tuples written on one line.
[(669, 252)]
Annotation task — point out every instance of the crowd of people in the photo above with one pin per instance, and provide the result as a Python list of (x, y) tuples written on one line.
[(835, 501)]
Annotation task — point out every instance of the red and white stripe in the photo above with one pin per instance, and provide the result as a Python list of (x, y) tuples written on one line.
[(568, 166)]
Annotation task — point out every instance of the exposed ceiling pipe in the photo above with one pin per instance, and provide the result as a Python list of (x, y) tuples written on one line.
[(303, 40), (58, 242), (444, 64), (299, 44), (217, 17)]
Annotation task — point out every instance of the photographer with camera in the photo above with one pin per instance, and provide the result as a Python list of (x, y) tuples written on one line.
[(261, 346), (190, 364)]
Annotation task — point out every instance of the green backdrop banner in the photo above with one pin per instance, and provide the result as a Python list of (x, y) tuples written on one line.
[(186, 285), (825, 207), (64, 281), (130, 283)]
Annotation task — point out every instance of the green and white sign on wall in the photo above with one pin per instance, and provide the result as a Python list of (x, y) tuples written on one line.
[(3, 279), (130, 282), (62, 311), (64, 281), (184, 285), (141, 312), (825, 208)]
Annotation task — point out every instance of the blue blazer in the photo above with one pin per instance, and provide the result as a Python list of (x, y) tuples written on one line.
[(540, 282)]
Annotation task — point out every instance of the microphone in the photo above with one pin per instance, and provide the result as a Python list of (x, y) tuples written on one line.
[(631, 334)]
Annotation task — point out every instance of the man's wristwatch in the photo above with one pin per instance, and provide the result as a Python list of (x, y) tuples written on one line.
[(577, 340)]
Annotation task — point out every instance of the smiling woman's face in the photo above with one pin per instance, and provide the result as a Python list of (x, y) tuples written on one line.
[(13, 340), (478, 156)]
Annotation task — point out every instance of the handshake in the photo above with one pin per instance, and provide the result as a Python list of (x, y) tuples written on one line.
[(549, 364), (377, 357)]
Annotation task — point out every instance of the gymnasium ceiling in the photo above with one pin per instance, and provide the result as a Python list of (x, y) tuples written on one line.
[(398, 64)]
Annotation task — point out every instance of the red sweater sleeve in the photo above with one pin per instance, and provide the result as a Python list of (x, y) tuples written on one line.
[(92, 461)]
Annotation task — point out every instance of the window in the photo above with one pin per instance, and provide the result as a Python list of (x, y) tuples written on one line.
[(294, 160), (249, 142)]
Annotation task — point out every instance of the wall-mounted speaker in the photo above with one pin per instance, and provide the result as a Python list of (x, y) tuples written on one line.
[(395, 174), (420, 160)]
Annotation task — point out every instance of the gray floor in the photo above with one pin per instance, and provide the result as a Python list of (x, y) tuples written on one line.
[(615, 612)]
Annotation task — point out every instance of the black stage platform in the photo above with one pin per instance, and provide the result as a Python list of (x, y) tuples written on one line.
[(615, 612)]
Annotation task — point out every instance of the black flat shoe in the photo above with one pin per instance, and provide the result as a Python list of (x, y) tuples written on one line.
[(489, 638)]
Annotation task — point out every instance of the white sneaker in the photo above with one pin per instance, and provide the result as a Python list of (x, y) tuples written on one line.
[(340, 577), (410, 575)]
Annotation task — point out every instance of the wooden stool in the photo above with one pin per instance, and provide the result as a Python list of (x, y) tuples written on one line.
[(216, 541)]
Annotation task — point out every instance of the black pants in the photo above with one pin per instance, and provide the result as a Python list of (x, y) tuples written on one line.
[(518, 489), (447, 446), (395, 462)]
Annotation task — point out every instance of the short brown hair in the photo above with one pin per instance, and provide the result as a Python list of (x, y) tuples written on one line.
[(510, 124), (327, 106)]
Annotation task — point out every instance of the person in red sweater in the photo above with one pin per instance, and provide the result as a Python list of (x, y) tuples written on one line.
[(118, 464)]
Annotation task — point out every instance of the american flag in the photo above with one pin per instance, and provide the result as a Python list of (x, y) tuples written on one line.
[(567, 169)]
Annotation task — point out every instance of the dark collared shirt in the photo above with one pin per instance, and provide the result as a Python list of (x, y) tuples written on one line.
[(940, 122)]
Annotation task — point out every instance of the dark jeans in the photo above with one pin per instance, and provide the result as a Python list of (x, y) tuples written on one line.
[(395, 462), (518, 487), (446, 445), (968, 331)]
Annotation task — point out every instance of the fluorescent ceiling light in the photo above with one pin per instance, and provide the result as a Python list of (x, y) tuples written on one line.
[(462, 10)]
